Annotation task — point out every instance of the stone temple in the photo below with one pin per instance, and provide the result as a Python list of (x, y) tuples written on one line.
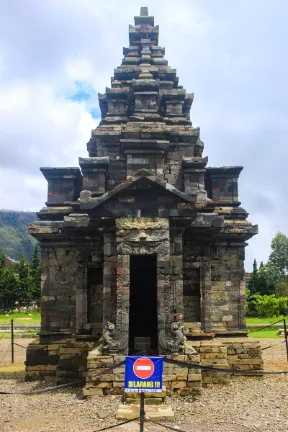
[(143, 243)]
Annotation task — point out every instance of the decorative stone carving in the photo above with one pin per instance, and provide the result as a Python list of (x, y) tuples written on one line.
[(85, 196), (174, 340), (111, 339), (143, 248), (141, 235), (142, 223)]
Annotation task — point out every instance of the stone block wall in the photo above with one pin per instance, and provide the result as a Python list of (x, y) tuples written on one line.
[(228, 287), (60, 274), (191, 295), (147, 159), (244, 355), (166, 164), (71, 272), (110, 383), (177, 380), (71, 360), (58, 362), (231, 354), (213, 354)]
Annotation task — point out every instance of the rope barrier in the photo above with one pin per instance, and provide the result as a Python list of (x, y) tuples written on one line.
[(21, 346), (216, 369), (118, 424), (2, 336), (271, 346), (71, 384), (262, 328)]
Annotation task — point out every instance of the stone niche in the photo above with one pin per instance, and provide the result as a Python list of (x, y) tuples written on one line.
[(222, 184), (64, 184), (94, 170)]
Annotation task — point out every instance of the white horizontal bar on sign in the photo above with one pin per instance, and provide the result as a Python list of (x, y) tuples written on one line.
[(143, 367)]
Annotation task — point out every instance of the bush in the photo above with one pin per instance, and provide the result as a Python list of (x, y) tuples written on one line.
[(266, 305)]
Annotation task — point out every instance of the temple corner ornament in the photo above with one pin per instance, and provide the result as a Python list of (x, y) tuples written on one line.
[(111, 340), (174, 340)]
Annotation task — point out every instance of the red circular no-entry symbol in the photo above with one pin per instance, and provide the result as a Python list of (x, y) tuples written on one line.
[(143, 368)]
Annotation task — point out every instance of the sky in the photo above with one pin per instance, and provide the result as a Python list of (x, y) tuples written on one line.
[(55, 56)]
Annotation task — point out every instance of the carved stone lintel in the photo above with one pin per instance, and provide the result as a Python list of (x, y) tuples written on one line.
[(111, 339), (174, 340)]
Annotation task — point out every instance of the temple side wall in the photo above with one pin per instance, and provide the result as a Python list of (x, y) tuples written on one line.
[(59, 281), (228, 287), (70, 274)]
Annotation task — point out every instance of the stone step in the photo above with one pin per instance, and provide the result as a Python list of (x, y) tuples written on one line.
[(152, 412), (151, 401)]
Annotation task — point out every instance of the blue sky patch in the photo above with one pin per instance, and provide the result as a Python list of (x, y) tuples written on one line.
[(82, 92)]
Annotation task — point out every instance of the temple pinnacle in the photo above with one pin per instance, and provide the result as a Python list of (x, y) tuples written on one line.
[(144, 11)]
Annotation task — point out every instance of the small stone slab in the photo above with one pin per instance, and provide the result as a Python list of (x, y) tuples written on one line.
[(158, 412), (102, 414)]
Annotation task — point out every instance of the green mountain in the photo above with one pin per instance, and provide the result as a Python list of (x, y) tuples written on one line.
[(14, 236)]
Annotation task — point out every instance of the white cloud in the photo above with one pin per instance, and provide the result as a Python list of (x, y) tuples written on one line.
[(40, 130)]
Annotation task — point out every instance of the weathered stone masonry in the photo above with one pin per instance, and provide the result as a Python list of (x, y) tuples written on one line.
[(143, 191)]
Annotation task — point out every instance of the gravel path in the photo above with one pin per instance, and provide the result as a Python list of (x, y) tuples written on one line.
[(248, 404)]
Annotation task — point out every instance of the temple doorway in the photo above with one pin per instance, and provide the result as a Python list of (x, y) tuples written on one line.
[(143, 331)]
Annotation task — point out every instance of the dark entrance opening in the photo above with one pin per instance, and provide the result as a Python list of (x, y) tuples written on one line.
[(143, 303)]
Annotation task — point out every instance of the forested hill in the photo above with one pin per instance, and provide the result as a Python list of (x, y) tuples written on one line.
[(14, 236)]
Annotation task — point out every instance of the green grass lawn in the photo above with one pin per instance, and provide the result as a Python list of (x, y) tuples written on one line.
[(7, 335), (21, 318)]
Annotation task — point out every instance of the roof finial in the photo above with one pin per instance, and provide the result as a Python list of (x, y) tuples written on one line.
[(144, 11)]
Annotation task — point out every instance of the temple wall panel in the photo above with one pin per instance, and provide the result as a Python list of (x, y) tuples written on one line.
[(228, 287), (66, 271), (59, 280), (109, 279), (95, 294), (197, 282)]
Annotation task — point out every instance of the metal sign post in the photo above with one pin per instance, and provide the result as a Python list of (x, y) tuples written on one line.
[(143, 374), (12, 340), (142, 411), (286, 337)]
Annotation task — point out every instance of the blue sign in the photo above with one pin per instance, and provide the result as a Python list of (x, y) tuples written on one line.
[(143, 374)]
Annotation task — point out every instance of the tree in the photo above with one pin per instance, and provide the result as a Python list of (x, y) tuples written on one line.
[(24, 290), (11, 282), (253, 283), (279, 254), (266, 306), (36, 275), (2, 262), (267, 279)]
